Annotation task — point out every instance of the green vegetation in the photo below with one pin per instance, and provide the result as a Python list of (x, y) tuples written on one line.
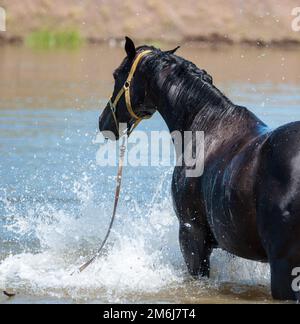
[(46, 39)]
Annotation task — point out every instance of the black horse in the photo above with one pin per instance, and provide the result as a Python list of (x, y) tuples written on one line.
[(247, 202)]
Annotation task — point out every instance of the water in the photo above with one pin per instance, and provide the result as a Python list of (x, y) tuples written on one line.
[(56, 202)]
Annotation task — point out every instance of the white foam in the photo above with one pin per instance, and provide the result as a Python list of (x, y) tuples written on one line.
[(142, 256)]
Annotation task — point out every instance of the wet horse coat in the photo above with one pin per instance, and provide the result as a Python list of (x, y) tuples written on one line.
[(247, 201)]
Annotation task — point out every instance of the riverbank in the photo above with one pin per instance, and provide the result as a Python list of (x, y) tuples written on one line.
[(256, 23), (208, 41)]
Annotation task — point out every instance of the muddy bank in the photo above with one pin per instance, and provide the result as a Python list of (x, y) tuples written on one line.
[(208, 41), (255, 23)]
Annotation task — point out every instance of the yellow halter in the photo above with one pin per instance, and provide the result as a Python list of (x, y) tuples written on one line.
[(126, 89)]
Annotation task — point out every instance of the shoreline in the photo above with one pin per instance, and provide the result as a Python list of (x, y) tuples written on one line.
[(214, 40), (255, 23)]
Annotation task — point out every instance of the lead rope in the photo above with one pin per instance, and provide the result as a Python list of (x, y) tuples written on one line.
[(117, 195)]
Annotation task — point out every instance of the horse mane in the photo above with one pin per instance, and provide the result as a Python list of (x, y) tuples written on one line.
[(189, 87), (190, 80)]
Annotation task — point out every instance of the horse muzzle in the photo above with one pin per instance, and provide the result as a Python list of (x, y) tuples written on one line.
[(107, 126)]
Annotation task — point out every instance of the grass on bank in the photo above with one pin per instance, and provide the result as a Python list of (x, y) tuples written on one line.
[(46, 39)]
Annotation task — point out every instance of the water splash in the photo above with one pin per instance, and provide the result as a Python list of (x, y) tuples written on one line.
[(142, 256)]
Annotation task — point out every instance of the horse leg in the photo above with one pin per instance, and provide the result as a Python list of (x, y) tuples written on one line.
[(278, 203), (282, 279), (196, 249), (283, 249), (280, 231), (195, 237)]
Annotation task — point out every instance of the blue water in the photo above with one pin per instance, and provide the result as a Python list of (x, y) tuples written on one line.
[(43, 152), (55, 204)]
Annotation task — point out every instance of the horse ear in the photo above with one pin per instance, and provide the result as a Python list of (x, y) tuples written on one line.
[(130, 48), (173, 50)]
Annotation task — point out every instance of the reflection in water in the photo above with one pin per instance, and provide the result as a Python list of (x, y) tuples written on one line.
[(55, 202), (78, 79)]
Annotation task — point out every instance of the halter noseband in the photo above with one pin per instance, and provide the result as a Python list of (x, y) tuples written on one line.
[(126, 89)]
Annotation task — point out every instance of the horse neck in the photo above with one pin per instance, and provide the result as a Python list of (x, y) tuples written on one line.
[(189, 103)]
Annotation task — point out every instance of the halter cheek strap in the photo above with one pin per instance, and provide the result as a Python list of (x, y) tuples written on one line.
[(126, 90)]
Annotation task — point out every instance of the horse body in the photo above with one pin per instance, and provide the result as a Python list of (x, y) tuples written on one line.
[(232, 197), (233, 205), (247, 202)]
